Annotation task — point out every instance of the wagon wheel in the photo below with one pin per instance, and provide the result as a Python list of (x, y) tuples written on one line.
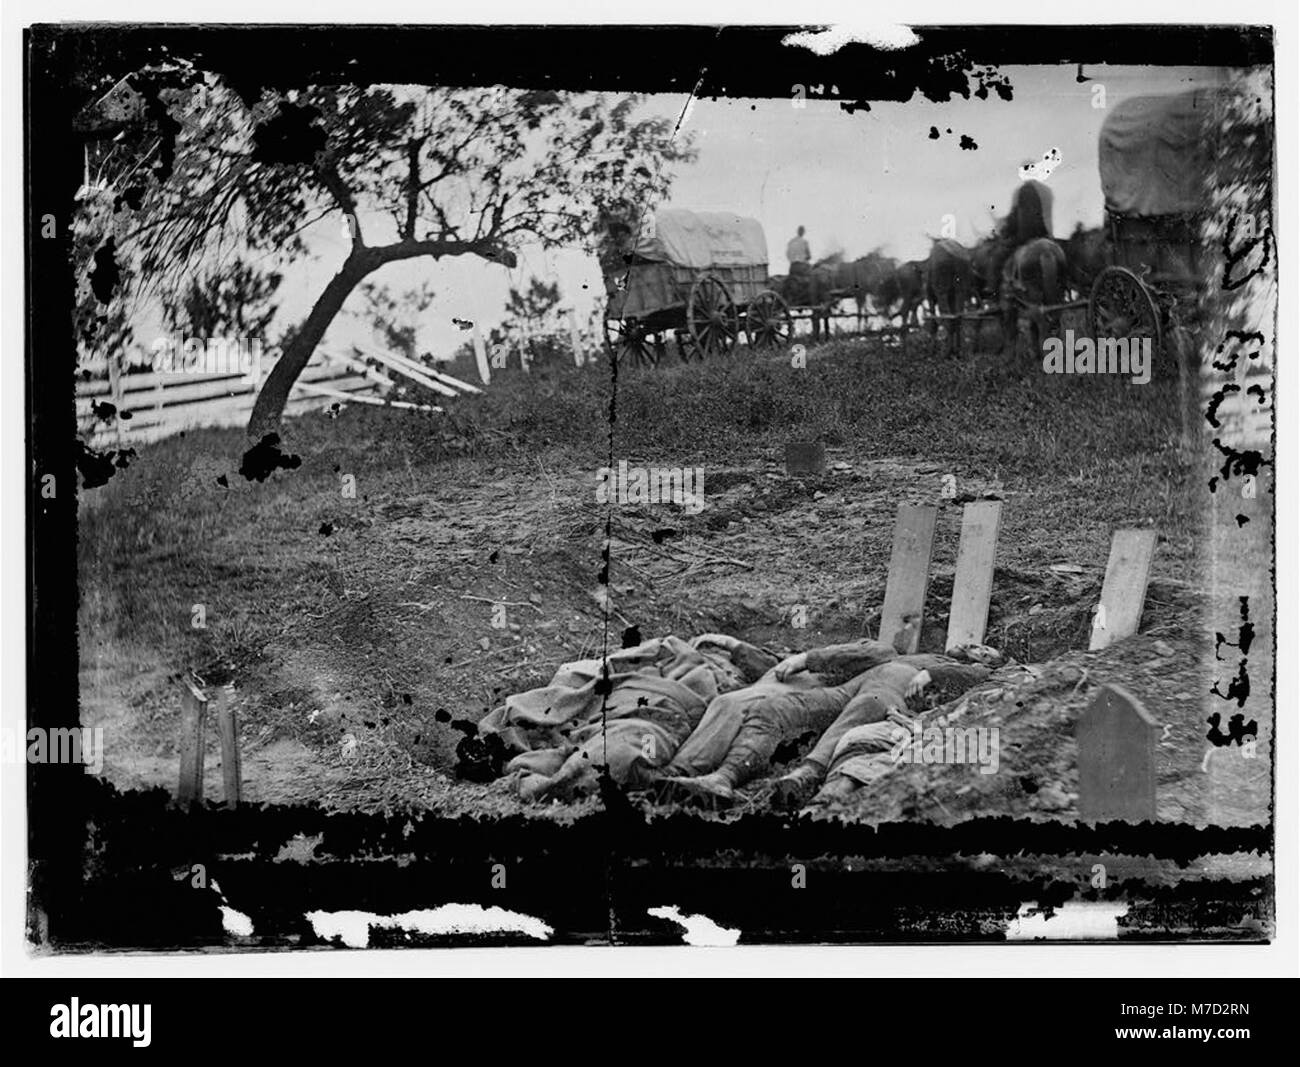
[(1122, 306), (686, 348), (711, 317), (768, 322), (628, 343)]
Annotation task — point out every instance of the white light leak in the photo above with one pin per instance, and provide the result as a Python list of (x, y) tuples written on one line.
[(232, 921), (1041, 170), (886, 36), (235, 922), (353, 927), (700, 929), (1075, 920)]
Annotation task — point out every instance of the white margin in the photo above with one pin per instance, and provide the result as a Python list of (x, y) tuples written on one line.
[(1181, 961)]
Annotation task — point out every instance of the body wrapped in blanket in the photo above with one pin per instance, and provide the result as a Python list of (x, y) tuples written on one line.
[(654, 697), (696, 720), (806, 693)]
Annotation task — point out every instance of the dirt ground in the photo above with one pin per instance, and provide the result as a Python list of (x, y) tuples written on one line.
[(354, 632)]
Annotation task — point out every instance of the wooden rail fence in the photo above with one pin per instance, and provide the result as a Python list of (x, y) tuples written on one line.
[(160, 404)]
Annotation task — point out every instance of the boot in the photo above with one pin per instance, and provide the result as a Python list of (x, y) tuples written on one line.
[(836, 791), (795, 788), (711, 791)]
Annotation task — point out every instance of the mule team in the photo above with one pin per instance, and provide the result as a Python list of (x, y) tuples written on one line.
[(1017, 266)]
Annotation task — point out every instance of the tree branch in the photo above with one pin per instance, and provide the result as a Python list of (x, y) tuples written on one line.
[(412, 189), (437, 248), (329, 177)]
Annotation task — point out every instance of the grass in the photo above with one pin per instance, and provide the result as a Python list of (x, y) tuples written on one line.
[(362, 630)]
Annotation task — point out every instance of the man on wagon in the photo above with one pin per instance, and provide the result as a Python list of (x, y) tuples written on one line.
[(797, 251), (800, 257), (1029, 219), (1030, 215)]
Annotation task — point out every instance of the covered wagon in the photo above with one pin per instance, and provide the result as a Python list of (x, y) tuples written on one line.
[(701, 276), (1155, 166)]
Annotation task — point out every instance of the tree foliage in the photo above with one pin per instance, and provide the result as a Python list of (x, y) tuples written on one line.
[(235, 301), (395, 317), (533, 324), (406, 172)]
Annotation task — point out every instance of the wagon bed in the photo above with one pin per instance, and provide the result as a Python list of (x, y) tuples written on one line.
[(701, 276)]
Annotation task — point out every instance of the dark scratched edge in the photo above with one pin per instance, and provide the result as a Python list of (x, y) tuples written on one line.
[(125, 895)]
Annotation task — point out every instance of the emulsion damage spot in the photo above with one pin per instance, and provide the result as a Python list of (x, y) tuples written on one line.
[(265, 457)]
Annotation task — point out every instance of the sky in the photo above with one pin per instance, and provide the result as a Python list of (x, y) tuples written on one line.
[(855, 181)]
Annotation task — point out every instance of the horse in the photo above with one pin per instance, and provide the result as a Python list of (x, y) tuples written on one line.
[(833, 281), (873, 282), (865, 279), (1035, 275), (949, 277), (949, 282), (815, 287), (1087, 253), (987, 260), (906, 287)]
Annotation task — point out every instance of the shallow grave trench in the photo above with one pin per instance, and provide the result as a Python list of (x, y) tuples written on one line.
[(765, 541), (1042, 624)]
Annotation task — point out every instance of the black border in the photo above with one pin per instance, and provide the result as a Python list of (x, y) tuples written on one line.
[(586, 879)]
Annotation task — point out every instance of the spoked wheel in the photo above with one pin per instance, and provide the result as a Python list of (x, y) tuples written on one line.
[(629, 345), (1121, 306), (768, 323), (711, 317), (687, 349)]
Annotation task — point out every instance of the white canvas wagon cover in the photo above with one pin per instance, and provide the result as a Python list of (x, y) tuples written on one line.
[(1153, 155), (704, 239)]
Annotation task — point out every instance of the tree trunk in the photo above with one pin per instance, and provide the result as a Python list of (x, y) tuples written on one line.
[(362, 261), (274, 393)]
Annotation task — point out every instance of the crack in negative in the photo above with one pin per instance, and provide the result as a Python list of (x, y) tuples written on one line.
[(607, 606), (607, 548)]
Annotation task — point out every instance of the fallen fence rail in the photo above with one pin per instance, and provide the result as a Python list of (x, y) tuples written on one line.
[(150, 406)]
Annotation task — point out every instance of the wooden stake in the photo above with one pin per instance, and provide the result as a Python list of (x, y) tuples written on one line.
[(909, 575), (972, 585), (1125, 588), (228, 730), (194, 715)]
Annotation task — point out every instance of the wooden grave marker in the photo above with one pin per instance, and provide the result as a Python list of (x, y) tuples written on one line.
[(909, 575), (228, 731), (194, 716), (1125, 587), (1117, 758), (972, 584)]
